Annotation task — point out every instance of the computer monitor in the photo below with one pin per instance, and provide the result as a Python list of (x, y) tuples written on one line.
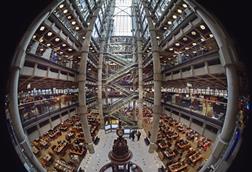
[(107, 127), (126, 131)]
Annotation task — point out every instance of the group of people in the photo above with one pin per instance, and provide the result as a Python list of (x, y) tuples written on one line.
[(133, 133)]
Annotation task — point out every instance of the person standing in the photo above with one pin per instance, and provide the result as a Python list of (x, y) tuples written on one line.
[(133, 136), (138, 135)]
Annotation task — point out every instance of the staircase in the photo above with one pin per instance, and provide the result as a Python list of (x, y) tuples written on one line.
[(125, 119), (119, 104), (117, 87), (120, 73), (117, 59)]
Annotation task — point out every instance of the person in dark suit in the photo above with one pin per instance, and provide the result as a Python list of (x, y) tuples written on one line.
[(138, 135)]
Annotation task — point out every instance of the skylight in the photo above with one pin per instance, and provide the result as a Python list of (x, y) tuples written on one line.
[(122, 18)]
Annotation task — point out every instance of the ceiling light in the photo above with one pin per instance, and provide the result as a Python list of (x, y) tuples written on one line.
[(177, 44), (34, 36), (171, 49), (63, 45), (70, 49), (42, 28), (66, 55), (93, 51), (193, 33), (202, 39), (88, 23), (73, 22), (202, 27), (41, 49), (169, 22), (65, 11), (79, 57), (194, 52), (41, 39), (61, 52), (48, 45), (211, 35), (174, 16), (61, 5), (169, 58), (77, 28), (185, 39), (165, 28), (91, 48), (157, 37), (49, 34), (57, 39), (69, 17), (179, 11), (186, 48), (184, 5), (83, 37), (194, 44)]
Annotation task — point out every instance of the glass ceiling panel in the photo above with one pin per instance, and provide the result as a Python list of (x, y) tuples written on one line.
[(122, 18)]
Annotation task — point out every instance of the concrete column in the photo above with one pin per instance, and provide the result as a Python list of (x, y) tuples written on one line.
[(106, 88), (134, 110), (50, 123), (34, 47), (228, 60), (82, 82), (22, 139), (38, 128), (60, 118), (190, 122), (47, 53), (203, 129), (100, 100), (23, 145), (140, 73), (157, 80)]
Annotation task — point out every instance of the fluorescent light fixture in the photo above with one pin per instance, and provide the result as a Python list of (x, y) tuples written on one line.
[(202, 27), (49, 34), (57, 39), (65, 11), (193, 33), (61, 5), (184, 5), (42, 28)]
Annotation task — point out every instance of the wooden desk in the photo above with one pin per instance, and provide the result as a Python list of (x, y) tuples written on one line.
[(60, 147), (43, 143), (183, 145), (178, 166), (47, 159), (169, 154), (77, 152), (35, 150), (62, 166), (163, 145), (195, 157), (54, 134)]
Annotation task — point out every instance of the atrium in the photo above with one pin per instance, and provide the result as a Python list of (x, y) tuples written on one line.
[(86, 69)]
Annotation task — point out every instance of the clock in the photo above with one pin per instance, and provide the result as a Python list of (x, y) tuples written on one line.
[(120, 132)]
